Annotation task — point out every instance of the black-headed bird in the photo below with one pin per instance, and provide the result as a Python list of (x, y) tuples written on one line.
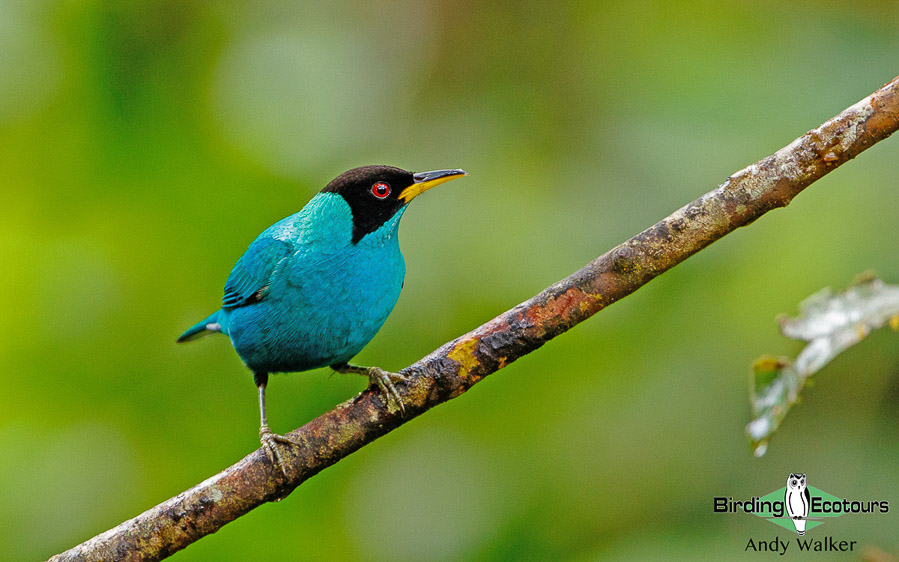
[(314, 288)]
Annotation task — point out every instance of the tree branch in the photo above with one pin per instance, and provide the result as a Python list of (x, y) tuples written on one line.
[(454, 368)]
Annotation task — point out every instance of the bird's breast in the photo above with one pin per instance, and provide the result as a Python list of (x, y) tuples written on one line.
[(323, 307)]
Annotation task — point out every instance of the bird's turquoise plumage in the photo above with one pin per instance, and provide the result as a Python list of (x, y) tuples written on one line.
[(313, 289), (304, 296)]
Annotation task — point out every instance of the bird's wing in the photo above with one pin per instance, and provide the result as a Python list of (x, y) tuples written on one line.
[(252, 273)]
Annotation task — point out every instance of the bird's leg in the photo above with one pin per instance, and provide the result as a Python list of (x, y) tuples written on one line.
[(377, 376), (267, 437)]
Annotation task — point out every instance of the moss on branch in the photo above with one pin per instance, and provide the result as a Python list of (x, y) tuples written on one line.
[(448, 372)]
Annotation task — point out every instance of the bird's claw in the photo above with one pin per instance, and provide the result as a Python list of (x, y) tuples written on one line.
[(384, 380), (270, 441)]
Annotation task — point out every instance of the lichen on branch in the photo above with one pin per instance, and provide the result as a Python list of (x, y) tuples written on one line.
[(454, 368)]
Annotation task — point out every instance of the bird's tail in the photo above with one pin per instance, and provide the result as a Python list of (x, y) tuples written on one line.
[(205, 327)]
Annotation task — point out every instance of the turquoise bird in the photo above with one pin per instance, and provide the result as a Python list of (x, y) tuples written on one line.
[(313, 289)]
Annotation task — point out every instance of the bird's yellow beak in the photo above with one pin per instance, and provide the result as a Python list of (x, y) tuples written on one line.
[(424, 181)]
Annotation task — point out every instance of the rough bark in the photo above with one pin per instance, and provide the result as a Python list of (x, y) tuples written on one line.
[(454, 368)]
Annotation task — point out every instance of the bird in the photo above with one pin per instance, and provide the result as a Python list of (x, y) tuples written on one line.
[(797, 500), (314, 288)]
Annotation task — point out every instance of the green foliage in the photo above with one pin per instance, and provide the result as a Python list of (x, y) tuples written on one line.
[(144, 144)]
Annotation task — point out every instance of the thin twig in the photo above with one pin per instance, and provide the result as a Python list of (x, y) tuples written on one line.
[(454, 368)]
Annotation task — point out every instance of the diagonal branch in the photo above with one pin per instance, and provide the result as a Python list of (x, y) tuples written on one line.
[(454, 368)]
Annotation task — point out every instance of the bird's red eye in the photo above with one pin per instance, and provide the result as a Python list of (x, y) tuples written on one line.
[(380, 190)]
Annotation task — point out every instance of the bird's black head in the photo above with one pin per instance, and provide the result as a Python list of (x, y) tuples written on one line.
[(376, 193)]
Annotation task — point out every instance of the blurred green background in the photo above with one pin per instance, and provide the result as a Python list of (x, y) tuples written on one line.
[(143, 145)]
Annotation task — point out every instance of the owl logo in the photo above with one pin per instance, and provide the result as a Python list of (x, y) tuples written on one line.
[(797, 501)]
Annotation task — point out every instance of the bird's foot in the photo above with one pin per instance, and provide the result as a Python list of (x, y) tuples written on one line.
[(384, 380), (270, 441)]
